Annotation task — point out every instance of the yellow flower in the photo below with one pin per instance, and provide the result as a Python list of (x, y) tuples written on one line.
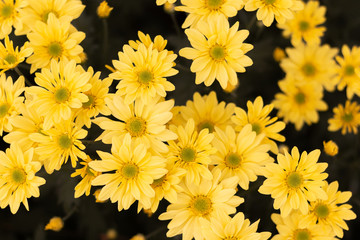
[(10, 57), (9, 16), (330, 148), (295, 180), (347, 70), (135, 170), (218, 52), (304, 25), (267, 10), (10, 101), (138, 236), (159, 42), (331, 212), (55, 224), (103, 10), (199, 205), (258, 116), (169, 7), (346, 118), (242, 155), (299, 103), (61, 89), (204, 10), (278, 54), (54, 39), (17, 177), (162, 2)]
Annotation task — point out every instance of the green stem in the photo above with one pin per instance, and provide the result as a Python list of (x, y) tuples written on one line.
[(17, 70), (105, 39), (251, 23), (176, 24), (72, 211)]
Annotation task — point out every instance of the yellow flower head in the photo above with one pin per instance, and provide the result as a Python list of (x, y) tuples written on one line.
[(159, 42), (103, 10), (138, 236), (278, 54), (330, 148), (218, 52), (9, 16), (346, 118), (162, 2), (55, 224)]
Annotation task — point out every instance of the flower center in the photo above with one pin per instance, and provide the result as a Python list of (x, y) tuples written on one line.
[(231, 238), (302, 234), (89, 171), (4, 109), (214, 4), (62, 95), (90, 102), (201, 205), (10, 58), (64, 141), (206, 124), (136, 126), (129, 170), (321, 210), (349, 70), (300, 98), (256, 128), (218, 53), (18, 175), (7, 11), (348, 117), (158, 182), (145, 77), (55, 49), (308, 69), (294, 180), (304, 26), (233, 160), (269, 1), (188, 154), (45, 15)]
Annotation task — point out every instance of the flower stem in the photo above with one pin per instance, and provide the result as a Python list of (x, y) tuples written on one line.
[(105, 39), (17, 70)]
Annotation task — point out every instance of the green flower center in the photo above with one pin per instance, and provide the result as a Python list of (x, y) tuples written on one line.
[(308, 69), (7, 11), (300, 98), (269, 1), (348, 117), (218, 53), (188, 154), (64, 141), (4, 109), (136, 126), (349, 70), (55, 49), (18, 175), (201, 205), (158, 182), (214, 4), (129, 170), (321, 210), (10, 58), (294, 180), (89, 171), (256, 128), (145, 77), (304, 26), (61, 95), (233, 160), (90, 102), (302, 234), (206, 124), (45, 15)]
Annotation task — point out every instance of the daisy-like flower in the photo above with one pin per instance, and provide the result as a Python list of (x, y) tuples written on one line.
[(331, 212), (87, 174), (57, 144), (10, 57), (199, 204), (330, 148), (54, 39), (294, 180), (10, 101), (218, 52), (9, 16), (143, 73), (258, 116), (61, 89), (290, 227), (135, 170), (191, 151), (159, 42), (242, 155), (17, 177), (346, 118), (267, 10), (299, 103), (144, 122), (304, 25), (348, 69), (96, 103), (162, 2), (207, 112), (204, 10), (312, 63)]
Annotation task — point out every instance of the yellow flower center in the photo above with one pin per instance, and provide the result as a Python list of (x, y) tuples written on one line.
[(145, 77), (218, 53), (6, 11), (304, 26), (300, 98), (90, 102), (308, 69), (201, 205), (61, 95), (10, 58), (4, 109), (256, 128), (294, 180), (269, 1), (129, 170), (348, 117), (206, 124), (233, 160), (302, 234), (136, 126), (18, 175), (349, 70), (55, 49), (321, 210), (158, 182), (188, 154), (214, 4), (64, 141)]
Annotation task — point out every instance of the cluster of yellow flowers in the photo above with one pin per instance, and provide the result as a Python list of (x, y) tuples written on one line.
[(195, 156)]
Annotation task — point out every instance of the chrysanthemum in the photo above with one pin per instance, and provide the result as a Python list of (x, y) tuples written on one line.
[(346, 118), (242, 155), (258, 116), (144, 122), (159, 42), (9, 16), (331, 212), (294, 180), (207, 112), (10, 57), (58, 144), (267, 10), (199, 205), (54, 40), (162, 2), (191, 151), (96, 103), (61, 89), (17, 177), (348, 69), (304, 25), (311, 63), (299, 103), (87, 174), (10, 101), (135, 170), (218, 52)]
